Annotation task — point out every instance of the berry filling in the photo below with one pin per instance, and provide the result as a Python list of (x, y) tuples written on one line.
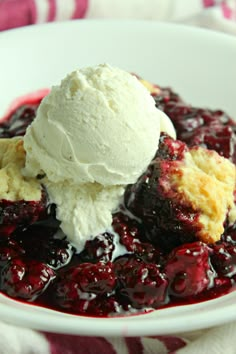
[(141, 284), (197, 126), (188, 269), (26, 279), (166, 247)]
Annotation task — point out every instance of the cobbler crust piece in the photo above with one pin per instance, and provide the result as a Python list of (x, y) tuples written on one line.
[(207, 181), (153, 89), (14, 186), (191, 192), (22, 200)]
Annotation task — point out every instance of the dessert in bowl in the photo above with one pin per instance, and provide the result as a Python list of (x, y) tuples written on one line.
[(171, 242), (92, 232)]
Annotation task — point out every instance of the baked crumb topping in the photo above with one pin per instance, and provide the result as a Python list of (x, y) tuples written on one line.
[(207, 181), (153, 89), (13, 185)]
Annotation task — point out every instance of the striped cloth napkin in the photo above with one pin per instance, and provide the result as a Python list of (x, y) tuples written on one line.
[(216, 14), (219, 15)]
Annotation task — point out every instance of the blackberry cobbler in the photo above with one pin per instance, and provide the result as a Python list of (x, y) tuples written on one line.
[(173, 239)]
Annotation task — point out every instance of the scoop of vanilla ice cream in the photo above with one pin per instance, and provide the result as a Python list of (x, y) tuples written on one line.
[(84, 210), (93, 135), (100, 125)]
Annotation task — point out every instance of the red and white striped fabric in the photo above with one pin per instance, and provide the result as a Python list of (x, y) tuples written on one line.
[(217, 14), (58, 10), (218, 340), (17, 13)]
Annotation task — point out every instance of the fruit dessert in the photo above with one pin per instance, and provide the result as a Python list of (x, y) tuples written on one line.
[(104, 212)]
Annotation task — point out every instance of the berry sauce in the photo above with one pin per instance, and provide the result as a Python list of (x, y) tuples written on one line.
[(126, 270)]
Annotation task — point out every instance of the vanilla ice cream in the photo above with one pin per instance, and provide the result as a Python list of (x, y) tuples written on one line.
[(93, 135)]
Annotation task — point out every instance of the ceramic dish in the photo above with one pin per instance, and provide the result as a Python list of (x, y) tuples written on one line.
[(198, 64)]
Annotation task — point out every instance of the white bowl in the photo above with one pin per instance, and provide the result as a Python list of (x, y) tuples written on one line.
[(198, 64)]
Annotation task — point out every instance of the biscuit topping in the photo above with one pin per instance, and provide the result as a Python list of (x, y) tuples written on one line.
[(14, 186)]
